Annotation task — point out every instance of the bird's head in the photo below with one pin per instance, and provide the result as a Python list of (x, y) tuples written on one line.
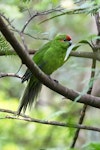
[(65, 40)]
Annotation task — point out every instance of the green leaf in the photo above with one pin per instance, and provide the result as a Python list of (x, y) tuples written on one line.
[(96, 37), (26, 0), (85, 8), (6, 9), (92, 37), (4, 45), (54, 1), (92, 146), (97, 2), (84, 42)]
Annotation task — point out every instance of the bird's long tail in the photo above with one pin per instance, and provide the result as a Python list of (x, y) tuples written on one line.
[(30, 94)]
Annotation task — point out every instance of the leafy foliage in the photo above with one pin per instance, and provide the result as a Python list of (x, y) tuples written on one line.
[(17, 135), (4, 45), (87, 8), (92, 146)]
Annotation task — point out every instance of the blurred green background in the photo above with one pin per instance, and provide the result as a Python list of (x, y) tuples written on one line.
[(21, 135)]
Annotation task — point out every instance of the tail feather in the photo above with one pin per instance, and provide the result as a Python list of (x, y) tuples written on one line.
[(30, 94)]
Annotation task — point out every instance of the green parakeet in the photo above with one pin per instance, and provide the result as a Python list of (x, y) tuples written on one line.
[(48, 58)]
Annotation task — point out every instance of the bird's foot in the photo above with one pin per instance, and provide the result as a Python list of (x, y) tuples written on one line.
[(17, 113)]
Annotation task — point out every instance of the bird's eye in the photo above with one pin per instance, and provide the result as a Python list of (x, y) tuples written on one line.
[(63, 40)]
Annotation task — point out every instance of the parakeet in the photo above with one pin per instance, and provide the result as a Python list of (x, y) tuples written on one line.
[(48, 58)]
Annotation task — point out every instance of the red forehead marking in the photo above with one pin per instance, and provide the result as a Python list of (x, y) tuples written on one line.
[(68, 38)]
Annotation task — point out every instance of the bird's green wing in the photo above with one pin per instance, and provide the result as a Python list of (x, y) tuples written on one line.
[(39, 54), (38, 59)]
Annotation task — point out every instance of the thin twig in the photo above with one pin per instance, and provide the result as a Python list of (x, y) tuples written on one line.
[(23, 41), (55, 123), (2, 75), (31, 36), (37, 14)]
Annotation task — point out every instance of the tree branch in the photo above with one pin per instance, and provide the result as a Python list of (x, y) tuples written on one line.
[(11, 52), (61, 124), (88, 55), (68, 93), (55, 123)]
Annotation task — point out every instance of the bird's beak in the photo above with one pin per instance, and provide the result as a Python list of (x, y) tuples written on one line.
[(70, 42)]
